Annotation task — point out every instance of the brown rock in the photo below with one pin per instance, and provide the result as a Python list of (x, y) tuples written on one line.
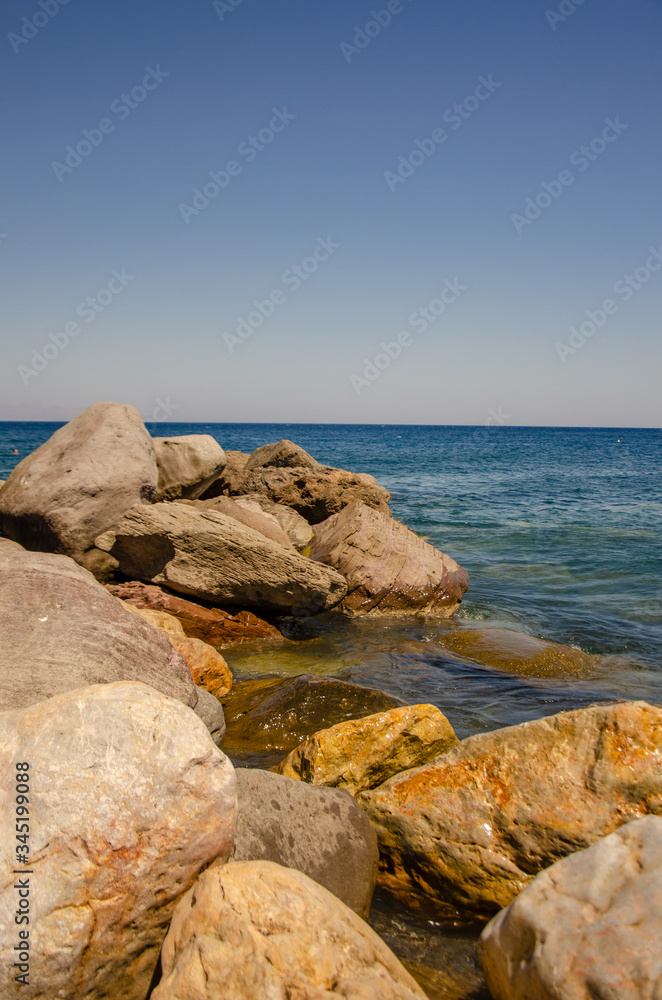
[(388, 568), (363, 753), (237, 459), (297, 529), (187, 465), (466, 833), (255, 519), (283, 455), (212, 625), (266, 719), (518, 653), (251, 930)]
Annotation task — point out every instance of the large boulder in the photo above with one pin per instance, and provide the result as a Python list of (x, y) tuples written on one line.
[(80, 482), (212, 625), (321, 832), (316, 494), (215, 558), (268, 718), (297, 529), (187, 465), (388, 568), (518, 653), (589, 926), (364, 753), (129, 799), (466, 833), (252, 929), (255, 519), (283, 455), (60, 629)]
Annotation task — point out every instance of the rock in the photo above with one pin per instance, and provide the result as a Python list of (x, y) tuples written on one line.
[(294, 525), (255, 519), (212, 625), (6, 545), (60, 630), (589, 926), (187, 465), (466, 833), (208, 668), (129, 800), (363, 753), (252, 929), (237, 459), (210, 710), (316, 494), (283, 455), (266, 719), (388, 568), (518, 653), (215, 558), (321, 832), (80, 482)]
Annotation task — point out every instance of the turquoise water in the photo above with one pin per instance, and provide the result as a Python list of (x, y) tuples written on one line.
[(559, 529)]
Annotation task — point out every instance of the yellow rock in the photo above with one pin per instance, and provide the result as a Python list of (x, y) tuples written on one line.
[(159, 619), (518, 653), (363, 753)]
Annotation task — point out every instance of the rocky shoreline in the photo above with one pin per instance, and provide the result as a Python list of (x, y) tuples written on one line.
[(190, 836)]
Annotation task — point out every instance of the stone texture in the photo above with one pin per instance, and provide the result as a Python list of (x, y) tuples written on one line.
[(297, 529), (255, 519), (252, 930), (466, 833), (60, 629), (321, 832), (518, 653), (215, 558), (316, 494), (187, 465), (212, 625), (237, 459), (388, 568), (80, 482), (363, 753), (129, 800), (210, 710), (283, 455), (6, 545), (589, 926), (266, 719)]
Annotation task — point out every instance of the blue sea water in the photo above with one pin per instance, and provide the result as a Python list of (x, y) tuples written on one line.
[(559, 528)]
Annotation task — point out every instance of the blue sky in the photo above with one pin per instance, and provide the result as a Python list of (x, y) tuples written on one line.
[(171, 282)]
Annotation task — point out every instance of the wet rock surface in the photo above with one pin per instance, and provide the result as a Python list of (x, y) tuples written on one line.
[(519, 653)]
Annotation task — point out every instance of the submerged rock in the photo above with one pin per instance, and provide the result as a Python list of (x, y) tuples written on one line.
[(215, 558), (187, 465), (589, 926), (466, 833), (252, 929), (518, 653), (363, 753), (321, 832), (268, 718), (129, 799), (80, 482), (388, 568)]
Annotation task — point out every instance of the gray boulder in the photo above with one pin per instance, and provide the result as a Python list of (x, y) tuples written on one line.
[(321, 832), (215, 558), (589, 926), (187, 465), (60, 630), (284, 454), (210, 710), (80, 481)]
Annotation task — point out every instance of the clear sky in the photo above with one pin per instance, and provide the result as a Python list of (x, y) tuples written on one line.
[(308, 112)]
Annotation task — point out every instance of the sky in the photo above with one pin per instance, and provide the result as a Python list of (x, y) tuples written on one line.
[(401, 212)]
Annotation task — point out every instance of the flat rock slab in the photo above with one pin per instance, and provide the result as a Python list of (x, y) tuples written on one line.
[(589, 926), (213, 557), (187, 465), (129, 799), (465, 834), (252, 930), (80, 482), (212, 625), (321, 832), (60, 629), (388, 568), (518, 653), (266, 719)]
